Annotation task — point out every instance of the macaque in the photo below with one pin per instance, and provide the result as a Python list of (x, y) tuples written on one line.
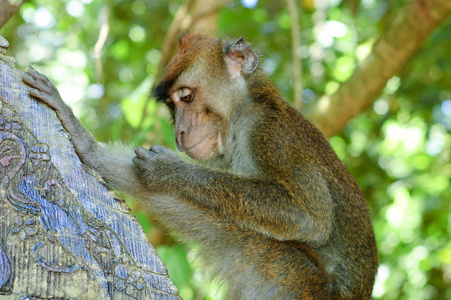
[(276, 214)]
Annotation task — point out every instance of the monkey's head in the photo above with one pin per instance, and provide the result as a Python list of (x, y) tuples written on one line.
[(203, 86)]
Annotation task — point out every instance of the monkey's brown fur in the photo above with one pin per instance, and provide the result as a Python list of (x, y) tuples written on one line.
[(275, 212)]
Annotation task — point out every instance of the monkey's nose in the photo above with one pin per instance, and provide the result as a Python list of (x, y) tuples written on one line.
[(180, 136)]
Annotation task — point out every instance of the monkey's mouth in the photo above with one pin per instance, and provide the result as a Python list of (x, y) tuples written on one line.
[(201, 150)]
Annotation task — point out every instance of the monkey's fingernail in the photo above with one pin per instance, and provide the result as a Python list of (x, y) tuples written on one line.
[(28, 78), (35, 92), (33, 70)]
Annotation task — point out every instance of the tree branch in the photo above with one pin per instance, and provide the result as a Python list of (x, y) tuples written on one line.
[(389, 56), (186, 17), (8, 9), (172, 36)]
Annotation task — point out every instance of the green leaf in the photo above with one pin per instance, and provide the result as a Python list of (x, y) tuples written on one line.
[(134, 104)]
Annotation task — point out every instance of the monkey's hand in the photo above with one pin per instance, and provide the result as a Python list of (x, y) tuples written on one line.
[(113, 162), (158, 166), (45, 91)]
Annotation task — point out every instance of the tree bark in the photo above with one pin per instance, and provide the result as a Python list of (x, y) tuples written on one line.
[(389, 56), (63, 233), (8, 8)]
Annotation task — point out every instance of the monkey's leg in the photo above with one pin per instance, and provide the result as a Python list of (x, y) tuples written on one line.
[(252, 265), (281, 270)]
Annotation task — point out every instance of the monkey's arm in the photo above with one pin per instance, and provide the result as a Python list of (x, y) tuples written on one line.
[(114, 163), (282, 210), (273, 208)]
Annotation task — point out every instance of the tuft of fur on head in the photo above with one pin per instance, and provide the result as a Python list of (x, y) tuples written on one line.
[(200, 48), (191, 46)]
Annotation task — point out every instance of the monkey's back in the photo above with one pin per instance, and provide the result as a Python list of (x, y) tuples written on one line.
[(350, 254)]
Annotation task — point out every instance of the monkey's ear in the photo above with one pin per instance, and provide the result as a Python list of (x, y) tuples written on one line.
[(241, 59)]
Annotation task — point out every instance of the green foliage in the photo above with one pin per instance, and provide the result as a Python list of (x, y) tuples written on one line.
[(398, 150), (177, 264)]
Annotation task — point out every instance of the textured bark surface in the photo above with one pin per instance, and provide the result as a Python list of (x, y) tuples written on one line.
[(63, 233), (389, 56)]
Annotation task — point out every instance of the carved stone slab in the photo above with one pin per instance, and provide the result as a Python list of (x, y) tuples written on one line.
[(63, 233)]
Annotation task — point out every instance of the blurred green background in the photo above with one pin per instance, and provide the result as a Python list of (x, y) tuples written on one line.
[(103, 56)]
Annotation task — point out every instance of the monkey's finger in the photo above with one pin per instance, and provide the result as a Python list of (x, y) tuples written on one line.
[(33, 73), (37, 94), (32, 70), (28, 79), (142, 152), (31, 81), (44, 97), (140, 164), (40, 81), (160, 149), (156, 148), (37, 75), (136, 161)]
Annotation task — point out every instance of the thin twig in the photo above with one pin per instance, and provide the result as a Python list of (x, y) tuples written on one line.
[(295, 44), (103, 34)]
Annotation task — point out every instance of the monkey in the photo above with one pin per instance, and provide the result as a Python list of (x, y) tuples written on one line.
[(274, 211)]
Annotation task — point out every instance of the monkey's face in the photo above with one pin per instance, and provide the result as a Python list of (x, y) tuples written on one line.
[(204, 86), (201, 114), (195, 131)]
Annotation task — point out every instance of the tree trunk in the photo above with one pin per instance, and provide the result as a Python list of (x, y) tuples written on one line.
[(63, 233)]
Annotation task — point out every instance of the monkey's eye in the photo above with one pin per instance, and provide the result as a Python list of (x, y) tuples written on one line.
[(187, 98), (186, 95)]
